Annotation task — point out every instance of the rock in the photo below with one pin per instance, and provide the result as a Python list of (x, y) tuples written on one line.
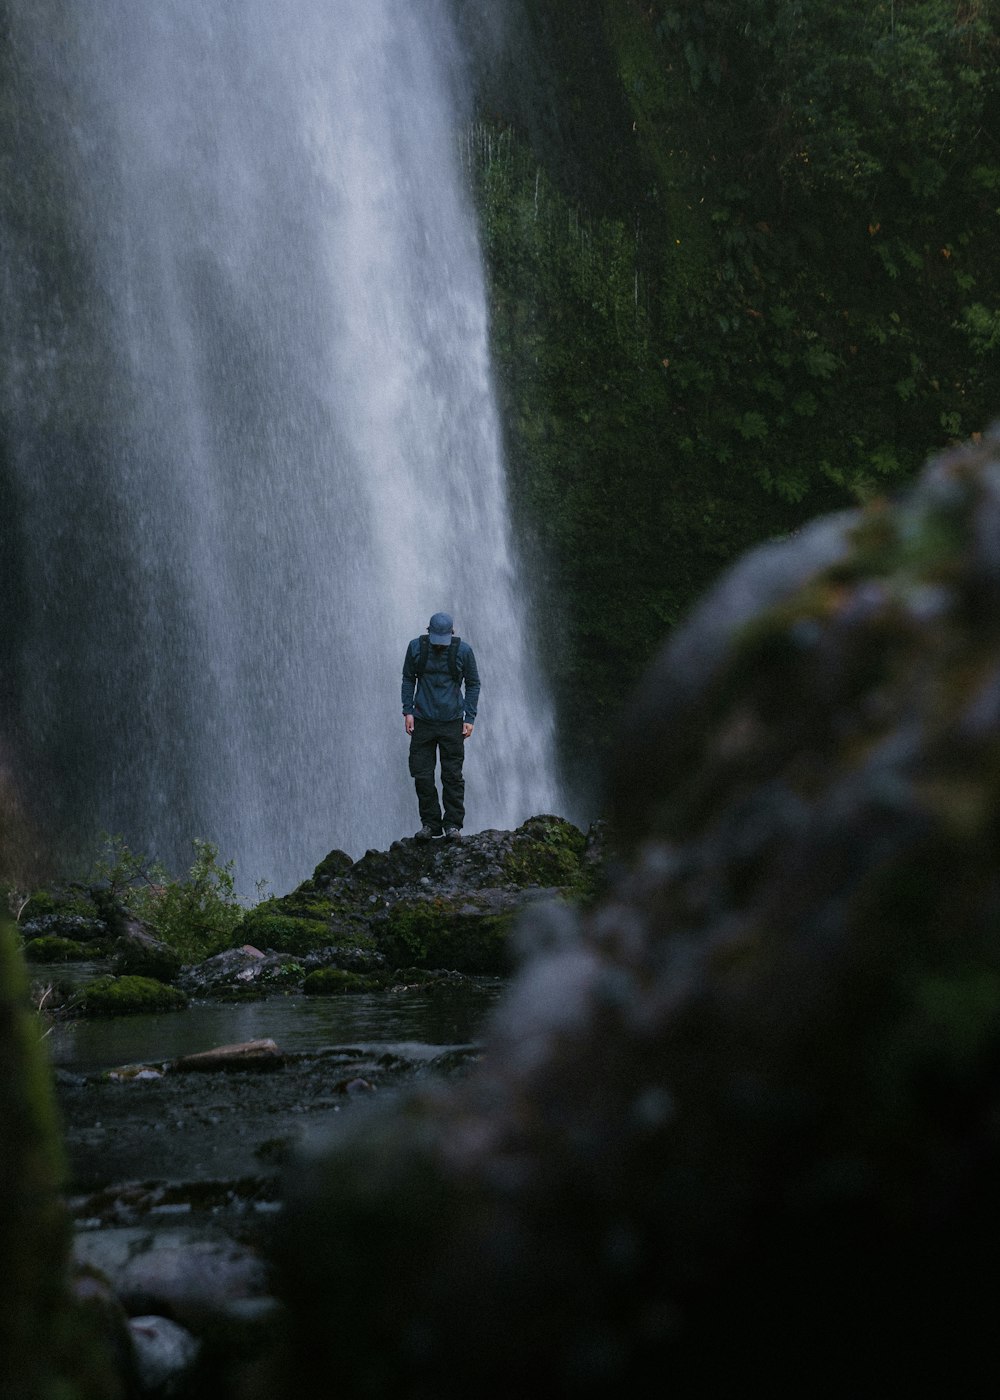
[(247, 1055), (241, 973), (64, 911), (164, 1352), (137, 951), (434, 904), (470, 932), (739, 1118), (191, 1278), (337, 863), (334, 981)]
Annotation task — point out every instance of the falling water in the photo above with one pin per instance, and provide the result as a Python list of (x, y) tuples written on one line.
[(251, 431)]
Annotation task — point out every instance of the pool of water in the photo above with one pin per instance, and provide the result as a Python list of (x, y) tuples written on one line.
[(417, 1024)]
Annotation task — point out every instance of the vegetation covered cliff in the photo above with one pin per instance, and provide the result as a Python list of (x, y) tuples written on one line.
[(744, 268)]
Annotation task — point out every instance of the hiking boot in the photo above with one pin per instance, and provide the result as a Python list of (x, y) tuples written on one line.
[(452, 833), (427, 833)]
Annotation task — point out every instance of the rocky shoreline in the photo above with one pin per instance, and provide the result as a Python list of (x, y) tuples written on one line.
[(400, 917)]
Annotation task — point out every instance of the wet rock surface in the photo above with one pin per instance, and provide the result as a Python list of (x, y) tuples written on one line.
[(191, 1120)]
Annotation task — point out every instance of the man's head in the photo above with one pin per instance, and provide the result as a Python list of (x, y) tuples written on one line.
[(440, 628)]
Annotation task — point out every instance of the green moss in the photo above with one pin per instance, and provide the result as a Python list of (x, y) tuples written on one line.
[(336, 863), (441, 933), (334, 981), (286, 934), (62, 903), (547, 852), (129, 996), (53, 950)]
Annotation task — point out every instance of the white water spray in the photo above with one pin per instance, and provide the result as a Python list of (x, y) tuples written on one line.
[(263, 447)]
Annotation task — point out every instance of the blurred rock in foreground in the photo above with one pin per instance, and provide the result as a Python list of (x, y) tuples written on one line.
[(740, 1123)]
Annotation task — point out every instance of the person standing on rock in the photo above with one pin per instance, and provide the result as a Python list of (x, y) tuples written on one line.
[(437, 668)]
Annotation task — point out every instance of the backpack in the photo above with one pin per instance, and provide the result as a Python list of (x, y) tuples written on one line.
[(420, 661)]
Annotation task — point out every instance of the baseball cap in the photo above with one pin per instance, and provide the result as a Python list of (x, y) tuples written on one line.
[(440, 628)]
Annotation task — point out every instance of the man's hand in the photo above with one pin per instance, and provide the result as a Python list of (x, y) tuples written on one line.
[(408, 723), (466, 731)]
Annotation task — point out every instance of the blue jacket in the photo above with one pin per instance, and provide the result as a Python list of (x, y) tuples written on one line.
[(436, 695)]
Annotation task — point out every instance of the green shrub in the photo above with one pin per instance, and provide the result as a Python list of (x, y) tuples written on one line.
[(198, 916)]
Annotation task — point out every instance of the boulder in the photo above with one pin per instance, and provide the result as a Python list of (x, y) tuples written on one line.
[(243, 973), (138, 952), (738, 1120), (438, 904), (164, 1354)]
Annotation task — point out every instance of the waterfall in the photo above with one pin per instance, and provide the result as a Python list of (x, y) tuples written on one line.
[(251, 438)]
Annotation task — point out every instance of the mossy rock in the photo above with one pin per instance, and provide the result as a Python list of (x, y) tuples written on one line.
[(55, 950), (547, 851), (300, 904), (335, 981), (285, 933), (80, 928), (139, 954), (331, 867), (129, 996), (282, 976), (439, 933), (69, 904)]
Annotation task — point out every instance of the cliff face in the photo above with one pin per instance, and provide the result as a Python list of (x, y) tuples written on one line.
[(742, 269)]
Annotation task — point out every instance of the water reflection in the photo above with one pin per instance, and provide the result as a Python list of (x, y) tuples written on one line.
[(415, 1024)]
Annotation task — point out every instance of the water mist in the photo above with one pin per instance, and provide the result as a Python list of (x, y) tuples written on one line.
[(251, 434)]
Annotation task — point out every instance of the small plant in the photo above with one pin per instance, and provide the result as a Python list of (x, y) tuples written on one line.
[(123, 871), (197, 916)]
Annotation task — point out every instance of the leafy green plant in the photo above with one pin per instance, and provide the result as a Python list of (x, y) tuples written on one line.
[(198, 916)]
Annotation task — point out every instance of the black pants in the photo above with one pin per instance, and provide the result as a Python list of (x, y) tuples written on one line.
[(430, 736)]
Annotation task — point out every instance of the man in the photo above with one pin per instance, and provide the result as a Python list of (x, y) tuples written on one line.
[(438, 718)]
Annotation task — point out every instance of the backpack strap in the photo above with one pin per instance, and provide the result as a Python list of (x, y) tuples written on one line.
[(420, 660), (423, 651), (453, 666)]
